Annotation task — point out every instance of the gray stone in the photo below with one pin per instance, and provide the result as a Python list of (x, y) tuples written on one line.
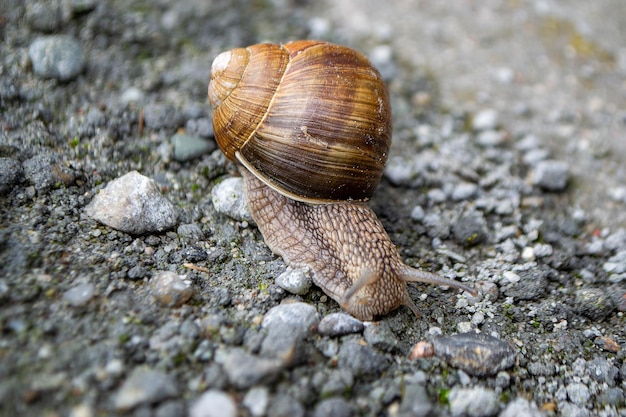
[(80, 294), (339, 382), (191, 232), (187, 147), (362, 360), (170, 409), (603, 370), (228, 198), (245, 370), (56, 56), (285, 406), (415, 401), (528, 285), (159, 116), (299, 317), (256, 401), (521, 407), (464, 191), (485, 120), (47, 16), (551, 175), (145, 386), (339, 324), (333, 407), (469, 230), (380, 336), (593, 303), (46, 170), (202, 127), (296, 281), (473, 402), (169, 289), (133, 204), (578, 393), (11, 173), (475, 353), (213, 403)]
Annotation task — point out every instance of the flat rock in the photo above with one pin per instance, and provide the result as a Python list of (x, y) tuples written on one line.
[(475, 353)]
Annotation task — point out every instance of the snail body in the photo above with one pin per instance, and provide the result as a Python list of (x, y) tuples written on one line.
[(311, 139)]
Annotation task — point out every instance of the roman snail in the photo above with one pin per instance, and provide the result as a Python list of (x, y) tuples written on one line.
[(309, 125)]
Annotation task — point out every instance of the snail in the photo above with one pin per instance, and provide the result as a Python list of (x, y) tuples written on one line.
[(308, 124)]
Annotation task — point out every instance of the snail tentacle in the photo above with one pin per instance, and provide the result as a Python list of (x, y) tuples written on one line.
[(417, 275)]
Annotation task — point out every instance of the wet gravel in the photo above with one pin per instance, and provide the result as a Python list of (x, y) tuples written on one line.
[(503, 174)]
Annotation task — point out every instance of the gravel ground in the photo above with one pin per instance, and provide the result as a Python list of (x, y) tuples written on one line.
[(133, 281)]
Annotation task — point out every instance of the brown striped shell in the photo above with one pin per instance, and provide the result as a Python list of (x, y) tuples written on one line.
[(310, 119)]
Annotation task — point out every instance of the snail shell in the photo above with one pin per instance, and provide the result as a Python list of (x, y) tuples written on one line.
[(310, 119)]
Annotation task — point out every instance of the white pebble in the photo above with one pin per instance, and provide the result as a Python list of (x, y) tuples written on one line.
[(296, 281), (485, 120), (79, 295), (228, 198), (214, 403)]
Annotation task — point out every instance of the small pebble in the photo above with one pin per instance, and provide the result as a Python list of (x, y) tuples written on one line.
[(362, 360), (464, 191), (593, 303), (169, 289), (11, 173), (380, 336), (299, 317), (337, 383), (213, 403), (202, 127), (256, 401), (160, 116), (47, 16), (56, 56), (473, 402), (187, 147), (133, 203), (476, 353), (144, 386), (578, 393), (339, 324), (333, 407), (285, 406), (490, 138), (521, 407), (80, 294), (47, 170), (470, 230), (485, 120), (296, 281), (245, 370), (228, 198), (132, 95), (527, 285), (421, 350), (551, 175), (416, 401), (171, 409), (417, 213)]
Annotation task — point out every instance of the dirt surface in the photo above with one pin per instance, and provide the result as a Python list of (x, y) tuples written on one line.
[(507, 172)]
